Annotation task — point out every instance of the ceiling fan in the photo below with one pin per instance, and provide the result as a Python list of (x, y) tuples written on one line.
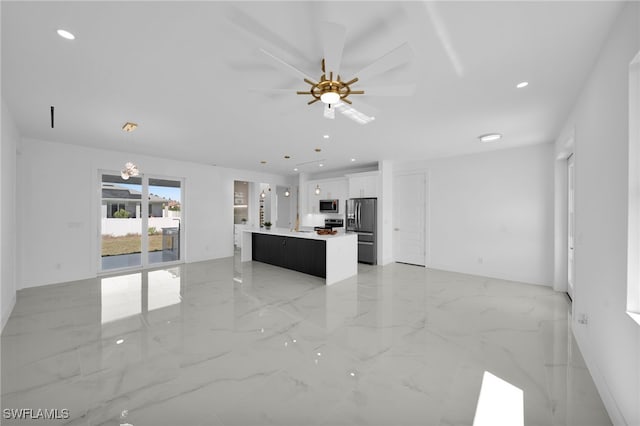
[(333, 91)]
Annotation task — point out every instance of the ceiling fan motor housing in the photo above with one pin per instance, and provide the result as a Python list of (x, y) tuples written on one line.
[(330, 91)]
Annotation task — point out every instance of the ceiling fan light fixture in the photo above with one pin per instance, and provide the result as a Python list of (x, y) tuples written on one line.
[(330, 97)]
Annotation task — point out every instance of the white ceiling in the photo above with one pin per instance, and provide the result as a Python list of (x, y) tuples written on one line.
[(183, 70)]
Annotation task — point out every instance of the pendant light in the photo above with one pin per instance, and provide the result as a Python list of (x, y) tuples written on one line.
[(287, 193), (317, 189), (262, 194), (129, 170)]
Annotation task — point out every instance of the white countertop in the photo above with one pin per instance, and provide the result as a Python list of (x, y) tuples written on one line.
[(283, 232)]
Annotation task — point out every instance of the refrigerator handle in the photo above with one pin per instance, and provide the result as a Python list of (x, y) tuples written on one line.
[(359, 215), (355, 214)]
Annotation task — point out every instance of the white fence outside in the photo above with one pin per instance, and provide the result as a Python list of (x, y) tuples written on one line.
[(118, 227)]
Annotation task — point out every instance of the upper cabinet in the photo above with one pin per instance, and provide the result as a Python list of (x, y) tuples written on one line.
[(363, 185)]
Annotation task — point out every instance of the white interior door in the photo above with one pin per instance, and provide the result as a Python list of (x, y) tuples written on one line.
[(409, 219), (571, 222)]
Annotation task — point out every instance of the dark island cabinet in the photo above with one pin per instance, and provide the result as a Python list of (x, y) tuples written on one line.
[(300, 254)]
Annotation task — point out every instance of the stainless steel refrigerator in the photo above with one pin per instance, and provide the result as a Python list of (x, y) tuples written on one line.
[(362, 218)]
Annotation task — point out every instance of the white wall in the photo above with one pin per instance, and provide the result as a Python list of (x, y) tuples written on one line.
[(610, 341), (491, 214), (283, 208), (8, 275), (385, 210), (66, 249)]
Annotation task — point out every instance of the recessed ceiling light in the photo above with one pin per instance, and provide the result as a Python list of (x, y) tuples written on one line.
[(326, 136), (320, 165), (295, 169), (522, 84), (353, 159), (119, 341), (66, 34), (490, 137)]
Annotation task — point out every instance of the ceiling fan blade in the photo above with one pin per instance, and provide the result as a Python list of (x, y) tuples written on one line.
[(400, 90), (398, 56), (333, 38), (274, 91), (256, 29), (287, 67), (352, 113), (329, 111), (377, 28)]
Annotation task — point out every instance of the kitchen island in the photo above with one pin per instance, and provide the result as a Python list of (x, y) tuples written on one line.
[(332, 257)]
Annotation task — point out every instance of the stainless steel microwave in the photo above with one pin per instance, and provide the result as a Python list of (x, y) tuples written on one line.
[(329, 206)]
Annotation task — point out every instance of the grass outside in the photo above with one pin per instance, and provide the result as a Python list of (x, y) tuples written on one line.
[(130, 243)]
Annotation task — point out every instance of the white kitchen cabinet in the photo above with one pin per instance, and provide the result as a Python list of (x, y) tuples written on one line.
[(363, 185)]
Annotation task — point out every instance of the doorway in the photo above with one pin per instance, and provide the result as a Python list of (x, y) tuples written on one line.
[(134, 233), (409, 218), (571, 221)]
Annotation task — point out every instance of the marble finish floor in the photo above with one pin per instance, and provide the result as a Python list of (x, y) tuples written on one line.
[(221, 343)]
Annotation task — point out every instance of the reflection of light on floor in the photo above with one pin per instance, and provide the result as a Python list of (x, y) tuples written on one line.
[(121, 296), (499, 404), (164, 288)]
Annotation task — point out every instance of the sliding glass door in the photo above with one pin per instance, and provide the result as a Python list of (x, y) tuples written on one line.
[(136, 234), (120, 222), (165, 220)]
